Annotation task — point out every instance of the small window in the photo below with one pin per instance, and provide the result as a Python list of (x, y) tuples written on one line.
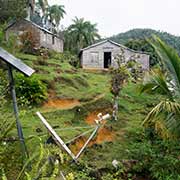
[(53, 40), (94, 57)]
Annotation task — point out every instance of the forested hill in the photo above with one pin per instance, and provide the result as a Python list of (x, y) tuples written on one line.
[(123, 38)]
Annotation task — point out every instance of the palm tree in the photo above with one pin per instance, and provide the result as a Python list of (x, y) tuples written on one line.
[(30, 8), (82, 33), (43, 5), (165, 116), (92, 32), (55, 13)]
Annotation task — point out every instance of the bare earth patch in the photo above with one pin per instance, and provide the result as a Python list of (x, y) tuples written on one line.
[(104, 134), (61, 103)]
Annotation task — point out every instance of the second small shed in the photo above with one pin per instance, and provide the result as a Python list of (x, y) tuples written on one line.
[(103, 55)]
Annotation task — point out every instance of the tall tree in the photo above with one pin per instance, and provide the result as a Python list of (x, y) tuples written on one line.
[(10, 10), (55, 13), (80, 34), (124, 71), (30, 8), (40, 11), (42, 5)]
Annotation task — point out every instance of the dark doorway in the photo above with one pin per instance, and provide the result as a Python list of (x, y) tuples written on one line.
[(107, 59)]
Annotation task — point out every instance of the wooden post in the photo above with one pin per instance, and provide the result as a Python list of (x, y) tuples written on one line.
[(16, 112)]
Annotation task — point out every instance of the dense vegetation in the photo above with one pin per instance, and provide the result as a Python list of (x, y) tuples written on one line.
[(9, 10), (141, 34)]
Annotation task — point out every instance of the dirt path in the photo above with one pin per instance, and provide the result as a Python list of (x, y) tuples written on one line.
[(61, 103), (54, 103)]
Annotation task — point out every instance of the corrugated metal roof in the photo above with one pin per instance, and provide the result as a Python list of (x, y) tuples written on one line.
[(16, 63), (34, 24)]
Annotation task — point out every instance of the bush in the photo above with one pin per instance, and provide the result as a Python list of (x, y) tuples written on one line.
[(30, 90), (159, 159), (65, 57), (28, 42), (74, 61)]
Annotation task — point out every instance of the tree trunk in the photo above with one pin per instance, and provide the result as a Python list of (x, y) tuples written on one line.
[(115, 108)]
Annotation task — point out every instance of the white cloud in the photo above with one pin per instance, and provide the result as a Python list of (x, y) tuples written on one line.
[(115, 16)]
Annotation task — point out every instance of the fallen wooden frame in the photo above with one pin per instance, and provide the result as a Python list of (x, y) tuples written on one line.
[(62, 144)]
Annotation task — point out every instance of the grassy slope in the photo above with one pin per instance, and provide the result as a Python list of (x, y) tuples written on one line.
[(67, 82)]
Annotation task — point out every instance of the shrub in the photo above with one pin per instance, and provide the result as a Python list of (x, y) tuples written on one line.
[(30, 90), (74, 61), (28, 42), (159, 159), (11, 45), (65, 57)]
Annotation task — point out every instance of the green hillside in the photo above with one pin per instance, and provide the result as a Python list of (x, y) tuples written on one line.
[(123, 38), (75, 97)]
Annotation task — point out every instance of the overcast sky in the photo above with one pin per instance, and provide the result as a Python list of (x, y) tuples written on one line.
[(116, 16)]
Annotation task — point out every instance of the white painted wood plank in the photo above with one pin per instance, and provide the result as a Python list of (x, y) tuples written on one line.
[(55, 135)]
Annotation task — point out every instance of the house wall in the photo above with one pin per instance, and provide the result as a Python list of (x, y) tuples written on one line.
[(94, 56), (51, 42), (42, 38), (22, 26)]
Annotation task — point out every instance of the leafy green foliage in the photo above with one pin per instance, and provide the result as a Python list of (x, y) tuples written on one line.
[(142, 34), (144, 46), (10, 10), (45, 163), (159, 159), (55, 13), (156, 82), (171, 62), (165, 115), (119, 76), (80, 34), (30, 90), (1, 35)]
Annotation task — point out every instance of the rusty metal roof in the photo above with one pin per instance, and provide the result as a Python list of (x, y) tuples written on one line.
[(16, 63)]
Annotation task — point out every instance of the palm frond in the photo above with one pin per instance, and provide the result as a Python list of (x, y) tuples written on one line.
[(167, 114), (171, 61), (156, 82)]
